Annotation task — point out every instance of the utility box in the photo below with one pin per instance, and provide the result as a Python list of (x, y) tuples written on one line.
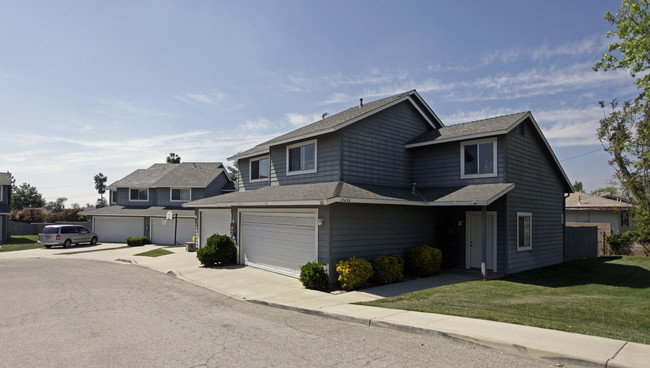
[(190, 246)]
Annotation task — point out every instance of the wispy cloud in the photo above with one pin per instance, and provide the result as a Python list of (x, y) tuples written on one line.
[(298, 120), (570, 126), (202, 97), (117, 108)]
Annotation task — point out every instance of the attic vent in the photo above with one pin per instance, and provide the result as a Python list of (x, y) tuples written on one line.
[(325, 115)]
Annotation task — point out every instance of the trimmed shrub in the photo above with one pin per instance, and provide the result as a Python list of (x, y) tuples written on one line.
[(424, 260), (354, 273), (145, 240), (134, 242), (387, 269), (219, 250), (313, 276), (620, 243)]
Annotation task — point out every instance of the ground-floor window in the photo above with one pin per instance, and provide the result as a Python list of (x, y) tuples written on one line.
[(524, 231)]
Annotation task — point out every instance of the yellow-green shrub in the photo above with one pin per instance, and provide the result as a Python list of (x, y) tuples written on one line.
[(387, 269), (424, 260), (353, 273)]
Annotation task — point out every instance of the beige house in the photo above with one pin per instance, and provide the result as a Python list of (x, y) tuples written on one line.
[(587, 208)]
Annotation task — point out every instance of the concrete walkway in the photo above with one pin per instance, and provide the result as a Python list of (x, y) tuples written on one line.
[(251, 284)]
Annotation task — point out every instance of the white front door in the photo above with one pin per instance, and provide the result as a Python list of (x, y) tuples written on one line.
[(474, 240)]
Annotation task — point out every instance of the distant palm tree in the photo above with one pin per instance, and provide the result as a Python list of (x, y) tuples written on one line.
[(173, 159)]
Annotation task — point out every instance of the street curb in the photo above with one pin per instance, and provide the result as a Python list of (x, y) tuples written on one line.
[(482, 343)]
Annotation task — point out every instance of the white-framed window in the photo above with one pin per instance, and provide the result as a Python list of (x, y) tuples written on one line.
[(259, 169), (180, 194), (524, 231), (478, 159), (138, 195), (112, 196), (301, 158)]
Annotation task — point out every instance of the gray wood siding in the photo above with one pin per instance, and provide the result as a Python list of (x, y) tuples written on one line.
[(244, 176), (213, 189), (370, 231), (373, 149), (539, 190), (439, 165), (328, 157)]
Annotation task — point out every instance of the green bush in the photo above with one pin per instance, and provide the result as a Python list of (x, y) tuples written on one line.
[(219, 250), (354, 273), (619, 243), (145, 240), (424, 260), (134, 242), (313, 276), (387, 269)]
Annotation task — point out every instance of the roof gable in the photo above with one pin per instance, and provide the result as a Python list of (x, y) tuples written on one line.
[(342, 119)]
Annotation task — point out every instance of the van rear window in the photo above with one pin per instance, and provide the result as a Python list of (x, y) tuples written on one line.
[(50, 230)]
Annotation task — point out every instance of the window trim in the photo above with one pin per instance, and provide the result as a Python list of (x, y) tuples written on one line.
[(2, 193), (179, 200), (530, 231), (250, 169), (305, 143), (494, 158), (138, 200), (112, 194)]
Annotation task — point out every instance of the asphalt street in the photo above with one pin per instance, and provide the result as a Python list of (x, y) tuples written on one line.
[(78, 313)]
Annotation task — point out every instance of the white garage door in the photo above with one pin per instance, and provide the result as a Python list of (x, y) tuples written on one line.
[(117, 229), (214, 222), (164, 234), (279, 242)]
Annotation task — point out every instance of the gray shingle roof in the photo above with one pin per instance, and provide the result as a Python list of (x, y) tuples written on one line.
[(150, 211), (496, 125), (337, 191), (183, 175), (328, 124), (582, 201), (5, 178)]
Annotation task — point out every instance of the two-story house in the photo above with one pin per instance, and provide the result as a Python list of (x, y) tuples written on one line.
[(139, 202), (5, 205), (384, 176)]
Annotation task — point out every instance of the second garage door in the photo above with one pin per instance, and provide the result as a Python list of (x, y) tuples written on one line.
[(117, 229), (214, 221), (164, 234), (279, 242)]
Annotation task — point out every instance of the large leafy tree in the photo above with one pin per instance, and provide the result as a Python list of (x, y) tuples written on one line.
[(56, 206), (26, 196), (625, 128)]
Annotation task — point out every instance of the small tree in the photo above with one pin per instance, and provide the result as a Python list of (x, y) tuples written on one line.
[(100, 186), (173, 158), (577, 185), (233, 172)]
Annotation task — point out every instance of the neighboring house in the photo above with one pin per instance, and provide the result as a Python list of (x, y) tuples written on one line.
[(582, 207), (381, 177), (139, 202), (5, 205)]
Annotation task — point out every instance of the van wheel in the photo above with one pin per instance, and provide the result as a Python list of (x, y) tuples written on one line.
[(93, 241), (67, 243)]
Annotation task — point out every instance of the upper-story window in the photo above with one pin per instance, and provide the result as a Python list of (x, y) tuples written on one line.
[(301, 158), (113, 196), (478, 158), (259, 169), (138, 194), (180, 194)]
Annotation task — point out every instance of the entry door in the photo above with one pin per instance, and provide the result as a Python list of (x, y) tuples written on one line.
[(474, 240)]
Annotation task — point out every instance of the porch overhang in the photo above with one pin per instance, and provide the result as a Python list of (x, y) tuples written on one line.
[(325, 194)]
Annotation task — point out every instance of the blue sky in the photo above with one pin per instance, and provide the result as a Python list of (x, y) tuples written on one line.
[(113, 86)]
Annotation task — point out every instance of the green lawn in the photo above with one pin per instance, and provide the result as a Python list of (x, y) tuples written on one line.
[(20, 242), (606, 296), (155, 253)]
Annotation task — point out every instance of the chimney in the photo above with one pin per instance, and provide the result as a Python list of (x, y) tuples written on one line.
[(361, 102)]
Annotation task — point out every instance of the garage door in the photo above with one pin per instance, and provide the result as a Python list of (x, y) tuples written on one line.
[(279, 242), (214, 222), (117, 229), (164, 234)]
